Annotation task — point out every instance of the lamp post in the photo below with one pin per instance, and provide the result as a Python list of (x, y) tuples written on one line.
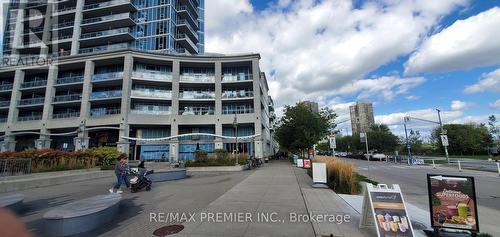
[(443, 133), (235, 126), (406, 119)]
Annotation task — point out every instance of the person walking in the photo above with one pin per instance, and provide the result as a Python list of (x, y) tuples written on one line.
[(120, 174)]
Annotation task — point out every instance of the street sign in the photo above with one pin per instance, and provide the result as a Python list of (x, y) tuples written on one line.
[(452, 201), (333, 142), (385, 208), (444, 140), (362, 137)]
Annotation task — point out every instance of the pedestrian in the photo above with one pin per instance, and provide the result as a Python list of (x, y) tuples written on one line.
[(120, 174)]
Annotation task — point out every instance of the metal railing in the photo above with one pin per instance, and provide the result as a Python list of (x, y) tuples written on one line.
[(107, 76), (226, 110), (237, 94), (152, 94), (6, 87), (101, 112), (237, 77), (105, 33), (32, 101), (66, 115), (105, 4), (69, 80), (197, 77), (29, 118), (152, 112), (184, 22), (4, 103), (34, 84), (65, 9), (3, 119), (12, 167), (65, 98), (185, 8), (159, 76), (197, 111), (106, 18), (105, 94), (197, 95), (63, 24), (104, 48)]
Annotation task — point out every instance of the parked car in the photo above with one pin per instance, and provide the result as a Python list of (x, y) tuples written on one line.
[(375, 156)]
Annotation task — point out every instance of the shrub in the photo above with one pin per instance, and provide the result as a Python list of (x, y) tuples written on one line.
[(221, 154), (341, 175), (44, 160), (219, 159), (201, 156)]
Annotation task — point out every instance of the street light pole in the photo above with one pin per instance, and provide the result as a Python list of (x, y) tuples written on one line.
[(235, 125), (407, 142), (443, 133)]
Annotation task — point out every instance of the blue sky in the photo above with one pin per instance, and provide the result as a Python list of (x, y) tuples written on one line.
[(407, 57)]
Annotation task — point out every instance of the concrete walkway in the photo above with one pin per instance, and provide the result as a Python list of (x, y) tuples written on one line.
[(271, 191)]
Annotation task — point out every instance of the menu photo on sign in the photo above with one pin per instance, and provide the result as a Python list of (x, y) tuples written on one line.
[(388, 211), (452, 200)]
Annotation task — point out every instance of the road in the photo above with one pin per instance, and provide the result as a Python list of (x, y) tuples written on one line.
[(413, 182), (188, 195)]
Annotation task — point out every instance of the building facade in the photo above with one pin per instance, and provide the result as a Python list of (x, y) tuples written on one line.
[(149, 105), (71, 27), (361, 117), (312, 105)]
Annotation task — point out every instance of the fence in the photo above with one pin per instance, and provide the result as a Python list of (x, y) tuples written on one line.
[(11, 167)]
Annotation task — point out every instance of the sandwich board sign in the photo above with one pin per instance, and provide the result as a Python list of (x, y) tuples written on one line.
[(300, 163), (307, 163), (385, 208), (319, 173)]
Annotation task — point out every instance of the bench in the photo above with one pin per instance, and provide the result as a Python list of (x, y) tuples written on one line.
[(167, 175), (82, 216), (13, 201)]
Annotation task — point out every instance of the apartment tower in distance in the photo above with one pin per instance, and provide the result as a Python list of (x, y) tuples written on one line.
[(129, 74), (312, 105), (361, 117)]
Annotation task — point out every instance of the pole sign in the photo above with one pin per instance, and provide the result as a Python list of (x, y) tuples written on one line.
[(362, 137), (385, 208), (444, 140), (452, 201), (319, 173), (307, 163), (300, 163), (333, 142)]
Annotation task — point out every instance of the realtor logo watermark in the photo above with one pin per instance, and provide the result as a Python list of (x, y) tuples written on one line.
[(247, 217), (32, 40)]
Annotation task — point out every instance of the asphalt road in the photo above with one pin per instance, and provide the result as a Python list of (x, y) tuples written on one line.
[(187, 195), (413, 182)]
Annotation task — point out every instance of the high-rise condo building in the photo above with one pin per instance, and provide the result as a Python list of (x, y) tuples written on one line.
[(361, 117)]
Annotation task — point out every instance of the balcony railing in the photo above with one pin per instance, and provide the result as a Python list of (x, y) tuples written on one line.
[(4, 103), (65, 9), (105, 33), (197, 111), (104, 48), (193, 18), (6, 87), (158, 110), (197, 78), (157, 76), (31, 84), (105, 4), (3, 119), (107, 76), (63, 24), (29, 118), (237, 77), (66, 115), (32, 101), (237, 94), (106, 18), (101, 112), (65, 98), (152, 93), (69, 80), (106, 94), (197, 95), (184, 22), (240, 110)]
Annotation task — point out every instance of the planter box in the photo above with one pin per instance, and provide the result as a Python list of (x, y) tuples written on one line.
[(215, 168)]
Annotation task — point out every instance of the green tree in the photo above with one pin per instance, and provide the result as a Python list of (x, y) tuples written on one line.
[(494, 129), (381, 138), (464, 139), (323, 146), (301, 128)]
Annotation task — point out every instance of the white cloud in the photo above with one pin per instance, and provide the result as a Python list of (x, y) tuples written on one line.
[(495, 105), (412, 97), (459, 105), (465, 44), (488, 82), (320, 48)]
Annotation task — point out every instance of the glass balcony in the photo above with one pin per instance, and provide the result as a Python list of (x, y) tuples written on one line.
[(152, 109), (65, 98), (106, 94), (104, 48), (4, 103), (106, 4), (197, 95), (150, 75), (237, 94), (197, 78), (106, 18), (105, 33), (237, 109), (66, 9), (183, 23), (186, 13), (32, 101), (237, 77), (66, 115), (101, 112), (69, 80), (29, 118), (63, 25), (5, 87), (107, 76), (197, 110), (186, 42), (3, 119), (163, 94), (32, 84)]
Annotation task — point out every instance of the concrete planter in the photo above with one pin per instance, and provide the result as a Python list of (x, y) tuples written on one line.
[(215, 168)]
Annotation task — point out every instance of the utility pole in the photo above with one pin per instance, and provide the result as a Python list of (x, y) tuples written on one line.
[(406, 119), (443, 133)]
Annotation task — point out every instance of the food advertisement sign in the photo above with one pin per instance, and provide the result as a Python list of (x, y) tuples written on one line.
[(390, 215), (307, 163), (453, 202)]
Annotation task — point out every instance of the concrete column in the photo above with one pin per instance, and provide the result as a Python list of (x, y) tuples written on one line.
[(14, 98), (259, 153), (82, 140), (18, 33), (218, 104), (123, 145), (175, 89), (75, 44), (9, 143), (174, 151), (46, 36), (44, 141), (87, 89)]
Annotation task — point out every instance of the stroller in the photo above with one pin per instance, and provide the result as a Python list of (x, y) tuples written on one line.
[(140, 180)]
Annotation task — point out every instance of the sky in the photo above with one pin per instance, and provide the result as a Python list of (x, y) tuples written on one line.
[(407, 57)]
